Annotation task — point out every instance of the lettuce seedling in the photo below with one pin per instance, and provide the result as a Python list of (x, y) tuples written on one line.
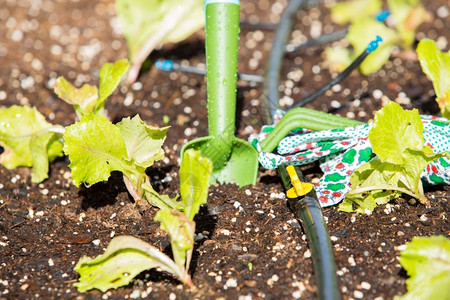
[(89, 98), (127, 256), (96, 147), (349, 11), (436, 65), (148, 24), (28, 140), (397, 140), (427, 262), (359, 38), (406, 16)]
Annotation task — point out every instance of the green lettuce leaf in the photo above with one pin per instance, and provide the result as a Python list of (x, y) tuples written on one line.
[(29, 140), (195, 172), (110, 76), (82, 99), (408, 15), (163, 202), (350, 11), (369, 186), (44, 149), (124, 258), (436, 65), (89, 99), (95, 148), (143, 142), (181, 232), (148, 24), (338, 58), (359, 38), (413, 167), (397, 140), (427, 262), (396, 130)]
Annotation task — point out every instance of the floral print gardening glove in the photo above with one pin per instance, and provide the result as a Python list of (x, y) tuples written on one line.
[(341, 151)]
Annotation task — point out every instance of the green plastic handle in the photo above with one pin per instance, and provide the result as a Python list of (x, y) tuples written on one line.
[(222, 36), (302, 117)]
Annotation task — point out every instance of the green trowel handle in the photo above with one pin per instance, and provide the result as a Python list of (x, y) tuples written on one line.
[(222, 35)]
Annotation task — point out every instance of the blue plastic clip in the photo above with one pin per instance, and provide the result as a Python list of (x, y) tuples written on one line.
[(383, 15), (165, 65), (374, 44)]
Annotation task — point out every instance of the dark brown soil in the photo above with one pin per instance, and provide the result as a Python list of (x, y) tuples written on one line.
[(45, 228)]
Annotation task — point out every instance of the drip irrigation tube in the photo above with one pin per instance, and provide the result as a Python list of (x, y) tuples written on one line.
[(371, 47), (324, 39), (307, 209), (272, 73), (169, 65)]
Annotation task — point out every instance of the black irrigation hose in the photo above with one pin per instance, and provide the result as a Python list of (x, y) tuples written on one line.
[(307, 209), (169, 65), (372, 46), (272, 73), (323, 39), (258, 26), (332, 82)]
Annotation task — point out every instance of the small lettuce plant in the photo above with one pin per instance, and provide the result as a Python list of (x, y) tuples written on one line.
[(365, 21), (89, 98), (127, 256), (401, 156), (436, 65), (30, 141), (96, 147)]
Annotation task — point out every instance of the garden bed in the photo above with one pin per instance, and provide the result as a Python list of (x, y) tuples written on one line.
[(249, 244)]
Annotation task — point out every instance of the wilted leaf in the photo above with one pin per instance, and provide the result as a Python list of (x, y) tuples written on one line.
[(44, 149), (408, 15), (124, 258)]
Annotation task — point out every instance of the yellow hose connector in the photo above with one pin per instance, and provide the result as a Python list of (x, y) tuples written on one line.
[(300, 188)]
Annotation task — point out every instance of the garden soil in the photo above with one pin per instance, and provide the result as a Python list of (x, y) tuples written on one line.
[(248, 244)]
